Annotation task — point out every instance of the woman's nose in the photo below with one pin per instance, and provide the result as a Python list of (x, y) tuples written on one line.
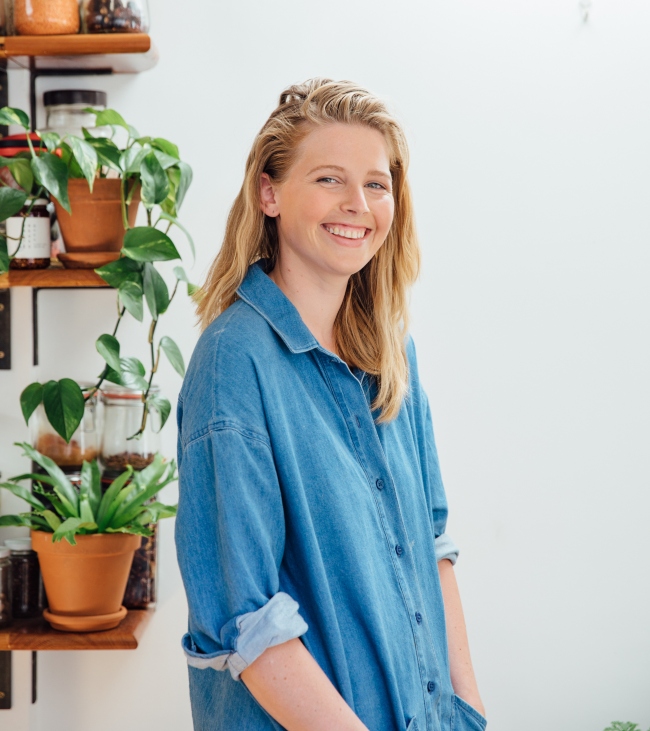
[(355, 200)]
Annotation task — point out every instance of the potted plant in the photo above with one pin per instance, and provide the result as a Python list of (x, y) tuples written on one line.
[(67, 170), (85, 540), (619, 726)]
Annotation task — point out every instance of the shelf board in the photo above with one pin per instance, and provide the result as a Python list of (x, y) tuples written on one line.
[(36, 634), (118, 52), (52, 278)]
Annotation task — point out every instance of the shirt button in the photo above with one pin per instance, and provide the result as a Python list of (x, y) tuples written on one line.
[(418, 617), (399, 550), (431, 686), (380, 484)]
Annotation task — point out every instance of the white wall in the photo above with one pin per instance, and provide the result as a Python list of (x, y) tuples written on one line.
[(530, 168)]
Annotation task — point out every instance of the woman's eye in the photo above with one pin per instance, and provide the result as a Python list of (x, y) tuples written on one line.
[(377, 186), (327, 180)]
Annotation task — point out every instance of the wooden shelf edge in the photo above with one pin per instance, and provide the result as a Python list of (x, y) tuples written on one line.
[(54, 277), (36, 634), (81, 44)]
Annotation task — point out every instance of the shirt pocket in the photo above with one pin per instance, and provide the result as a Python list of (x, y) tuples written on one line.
[(464, 717), (412, 725)]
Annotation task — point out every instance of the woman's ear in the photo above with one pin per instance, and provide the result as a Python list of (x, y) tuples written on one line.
[(268, 203)]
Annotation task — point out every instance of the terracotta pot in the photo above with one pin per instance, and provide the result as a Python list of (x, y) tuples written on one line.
[(96, 220), (88, 579)]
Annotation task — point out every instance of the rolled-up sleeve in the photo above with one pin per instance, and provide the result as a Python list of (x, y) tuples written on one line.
[(230, 535)]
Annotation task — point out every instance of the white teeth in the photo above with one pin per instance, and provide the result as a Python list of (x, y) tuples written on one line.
[(346, 232)]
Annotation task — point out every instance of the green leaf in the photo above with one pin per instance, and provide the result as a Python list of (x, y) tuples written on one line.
[(11, 115), (121, 270), (192, 289), (22, 172), (129, 510), (51, 140), (91, 486), (64, 406), (52, 520), (52, 173), (184, 182), (86, 157), (131, 159), (133, 373), (22, 520), (175, 221), (109, 496), (166, 161), (155, 185), (63, 487), (155, 291), (30, 398), (70, 527), (169, 148), (130, 295), (105, 117), (11, 202), (138, 530), (108, 153), (161, 405), (144, 243), (4, 255), (112, 376), (109, 348), (62, 507), (23, 493), (173, 354)]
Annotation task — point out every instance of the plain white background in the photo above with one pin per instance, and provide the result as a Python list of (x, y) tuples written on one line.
[(531, 174)]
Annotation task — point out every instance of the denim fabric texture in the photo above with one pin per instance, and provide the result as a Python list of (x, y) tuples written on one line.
[(300, 516)]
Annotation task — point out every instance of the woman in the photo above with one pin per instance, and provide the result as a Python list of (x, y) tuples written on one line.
[(311, 523)]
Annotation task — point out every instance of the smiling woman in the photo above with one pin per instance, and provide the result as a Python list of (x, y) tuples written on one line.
[(311, 523)]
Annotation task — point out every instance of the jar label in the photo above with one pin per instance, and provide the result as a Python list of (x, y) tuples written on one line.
[(36, 237)]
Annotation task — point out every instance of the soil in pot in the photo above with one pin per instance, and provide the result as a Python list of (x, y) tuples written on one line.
[(87, 580), (96, 222)]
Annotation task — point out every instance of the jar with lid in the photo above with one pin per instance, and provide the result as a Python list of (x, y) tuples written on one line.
[(83, 445), (26, 585), (65, 111), (5, 587), (41, 17), (115, 16), (122, 418), (28, 236)]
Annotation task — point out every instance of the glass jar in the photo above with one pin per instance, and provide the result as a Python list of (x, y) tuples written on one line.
[(122, 418), (5, 587), (42, 17), (33, 252), (84, 444), (26, 585), (142, 585), (115, 16), (65, 110)]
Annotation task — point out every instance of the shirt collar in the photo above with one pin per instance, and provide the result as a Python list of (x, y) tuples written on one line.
[(260, 292)]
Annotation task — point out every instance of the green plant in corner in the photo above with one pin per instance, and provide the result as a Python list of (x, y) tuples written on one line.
[(152, 164), (125, 507), (619, 726)]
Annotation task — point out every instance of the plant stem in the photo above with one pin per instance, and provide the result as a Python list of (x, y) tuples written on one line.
[(125, 218), (93, 389)]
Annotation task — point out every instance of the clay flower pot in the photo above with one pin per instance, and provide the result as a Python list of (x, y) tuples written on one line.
[(85, 583), (96, 221)]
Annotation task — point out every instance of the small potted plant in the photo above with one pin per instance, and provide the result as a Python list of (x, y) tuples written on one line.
[(85, 540)]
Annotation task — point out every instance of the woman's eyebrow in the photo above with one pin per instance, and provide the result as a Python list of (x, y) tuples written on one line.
[(381, 173)]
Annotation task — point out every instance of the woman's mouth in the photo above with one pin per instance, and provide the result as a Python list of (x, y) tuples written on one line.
[(343, 231)]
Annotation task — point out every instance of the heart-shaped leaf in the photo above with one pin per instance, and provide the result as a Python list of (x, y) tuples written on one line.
[(22, 172), (109, 348), (155, 291), (121, 270), (145, 243), (162, 406), (173, 353), (86, 157), (52, 173), (30, 398), (169, 148), (11, 202), (133, 374), (51, 140), (130, 294), (184, 182), (155, 185), (64, 406), (11, 115)]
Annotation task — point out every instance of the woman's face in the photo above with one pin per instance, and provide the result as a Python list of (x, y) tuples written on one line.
[(335, 206)]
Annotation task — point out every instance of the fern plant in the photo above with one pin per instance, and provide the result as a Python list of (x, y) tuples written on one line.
[(60, 508), (620, 726)]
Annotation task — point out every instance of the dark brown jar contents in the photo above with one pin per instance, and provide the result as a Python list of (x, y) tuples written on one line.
[(26, 586), (113, 16), (119, 462), (141, 588)]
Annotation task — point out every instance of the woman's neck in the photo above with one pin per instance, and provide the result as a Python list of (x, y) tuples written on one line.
[(317, 298)]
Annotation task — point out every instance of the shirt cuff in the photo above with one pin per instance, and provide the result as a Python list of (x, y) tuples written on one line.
[(249, 635), (446, 548)]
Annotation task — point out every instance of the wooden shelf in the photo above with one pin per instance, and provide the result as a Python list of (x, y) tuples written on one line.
[(119, 52), (54, 277), (36, 634)]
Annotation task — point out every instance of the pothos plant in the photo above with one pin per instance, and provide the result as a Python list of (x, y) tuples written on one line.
[(154, 165), (60, 508)]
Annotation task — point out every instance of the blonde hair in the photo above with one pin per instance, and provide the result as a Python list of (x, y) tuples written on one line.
[(371, 325)]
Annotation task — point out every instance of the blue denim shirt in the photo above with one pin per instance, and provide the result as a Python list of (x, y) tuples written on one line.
[(300, 516)]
